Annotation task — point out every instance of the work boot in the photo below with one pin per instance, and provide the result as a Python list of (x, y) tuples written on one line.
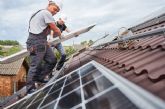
[(59, 66), (31, 89), (61, 62), (50, 75)]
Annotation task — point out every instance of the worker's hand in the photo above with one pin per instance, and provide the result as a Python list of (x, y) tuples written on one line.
[(76, 35), (50, 38), (55, 29), (62, 37)]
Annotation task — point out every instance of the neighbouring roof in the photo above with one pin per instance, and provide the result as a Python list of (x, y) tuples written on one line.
[(11, 68)]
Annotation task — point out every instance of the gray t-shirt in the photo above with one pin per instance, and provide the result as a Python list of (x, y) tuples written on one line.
[(40, 21)]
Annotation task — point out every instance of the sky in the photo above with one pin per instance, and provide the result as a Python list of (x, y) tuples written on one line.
[(109, 15)]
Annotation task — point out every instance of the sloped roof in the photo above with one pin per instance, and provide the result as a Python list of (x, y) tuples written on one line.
[(11, 68), (143, 63)]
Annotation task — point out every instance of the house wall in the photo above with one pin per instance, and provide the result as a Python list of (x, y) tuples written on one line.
[(5, 86), (21, 77), (7, 82)]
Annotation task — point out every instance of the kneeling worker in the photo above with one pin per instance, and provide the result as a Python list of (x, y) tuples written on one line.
[(61, 25)]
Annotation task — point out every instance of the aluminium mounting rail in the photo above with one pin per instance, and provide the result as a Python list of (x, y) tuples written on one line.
[(55, 41), (137, 36)]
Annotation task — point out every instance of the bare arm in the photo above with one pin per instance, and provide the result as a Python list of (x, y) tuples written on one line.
[(51, 35), (55, 29)]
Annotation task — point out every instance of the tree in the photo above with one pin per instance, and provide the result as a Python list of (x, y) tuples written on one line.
[(84, 43), (8, 42), (70, 50), (58, 55), (1, 52), (90, 42), (12, 50)]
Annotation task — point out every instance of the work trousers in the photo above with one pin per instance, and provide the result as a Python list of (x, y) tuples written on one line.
[(42, 59)]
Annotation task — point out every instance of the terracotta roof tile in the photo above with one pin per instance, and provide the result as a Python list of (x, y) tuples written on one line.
[(143, 63)]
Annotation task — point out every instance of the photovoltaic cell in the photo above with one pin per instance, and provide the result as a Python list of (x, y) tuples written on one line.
[(87, 69), (57, 85), (113, 99), (96, 86), (51, 97), (27, 102), (35, 104), (70, 100), (71, 86), (43, 93), (71, 78), (79, 108), (91, 76), (49, 106), (17, 105)]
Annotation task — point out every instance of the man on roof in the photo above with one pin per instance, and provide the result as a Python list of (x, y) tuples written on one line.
[(61, 25), (42, 58)]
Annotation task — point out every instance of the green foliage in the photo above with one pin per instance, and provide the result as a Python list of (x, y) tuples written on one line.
[(11, 51), (1, 53), (69, 51), (84, 43), (27, 59), (8, 42), (90, 42), (57, 54)]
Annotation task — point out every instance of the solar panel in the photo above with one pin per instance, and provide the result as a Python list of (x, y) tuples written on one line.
[(85, 88)]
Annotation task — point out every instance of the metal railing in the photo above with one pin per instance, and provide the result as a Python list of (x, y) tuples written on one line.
[(151, 33), (25, 53)]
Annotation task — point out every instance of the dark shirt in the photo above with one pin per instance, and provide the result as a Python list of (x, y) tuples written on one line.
[(61, 27)]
